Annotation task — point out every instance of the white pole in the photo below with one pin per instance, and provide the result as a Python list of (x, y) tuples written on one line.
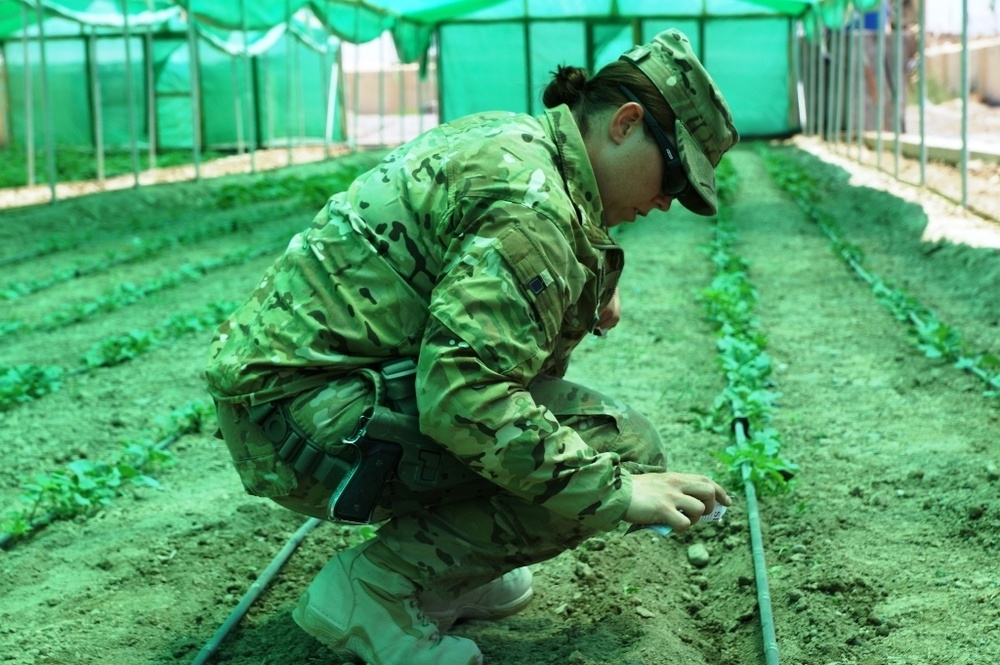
[(195, 86), (129, 92), (95, 92), (900, 80), (248, 76), (879, 93), (50, 151), (922, 74), (965, 103), (29, 101), (150, 89)]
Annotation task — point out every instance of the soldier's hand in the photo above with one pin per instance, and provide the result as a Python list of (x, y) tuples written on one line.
[(675, 499), (611, 314)]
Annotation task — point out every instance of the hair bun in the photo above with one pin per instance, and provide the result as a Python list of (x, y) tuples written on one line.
[(566, 86)]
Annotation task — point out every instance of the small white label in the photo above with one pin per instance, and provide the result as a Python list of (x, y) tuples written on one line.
[(664, 530), (715, 515)]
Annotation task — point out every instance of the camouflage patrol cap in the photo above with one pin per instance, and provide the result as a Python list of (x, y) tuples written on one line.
[(704, 127)]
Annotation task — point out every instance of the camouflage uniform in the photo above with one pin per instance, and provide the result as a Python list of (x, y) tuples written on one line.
[(479, 249)]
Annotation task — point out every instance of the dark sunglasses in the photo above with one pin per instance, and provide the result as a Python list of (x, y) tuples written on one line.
[(675, 181)]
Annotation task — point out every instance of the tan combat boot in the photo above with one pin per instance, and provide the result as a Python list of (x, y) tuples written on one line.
[(373, 612), (502, 597)]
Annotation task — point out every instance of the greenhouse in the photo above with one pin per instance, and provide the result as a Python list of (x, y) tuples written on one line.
[(289, 292)]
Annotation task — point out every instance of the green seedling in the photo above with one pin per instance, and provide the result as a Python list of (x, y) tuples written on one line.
[(86, 486), (27, 382), (934, 338), (729, 304)]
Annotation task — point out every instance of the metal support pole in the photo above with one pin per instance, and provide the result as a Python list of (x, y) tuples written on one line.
[(862, 58), (338, 87), (900, 82), (150, 89), (96, 101), (879, 93), (29, 102), (300, 105), (130, 93), (798, 52), (237, 105), (401, 101), (815, 61), (50, 149), (831, 88), (922, 88), (821, 117), (356, 101), (265, 74), (381, 89), (324, 77), (841, 65), (195, 86), (850, 72), (965, 103), (250, 88), (288, 80)]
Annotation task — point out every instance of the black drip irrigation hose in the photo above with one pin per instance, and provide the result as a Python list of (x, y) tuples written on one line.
[(915, 320), (757, 554), (257, 588)]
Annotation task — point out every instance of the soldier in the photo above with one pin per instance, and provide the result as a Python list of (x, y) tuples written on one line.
[(402, 362)]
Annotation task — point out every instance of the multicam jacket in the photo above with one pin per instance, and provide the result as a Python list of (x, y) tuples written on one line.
[(478, 248)]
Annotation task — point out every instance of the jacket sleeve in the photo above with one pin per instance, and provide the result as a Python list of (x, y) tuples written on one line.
[(494, 317)]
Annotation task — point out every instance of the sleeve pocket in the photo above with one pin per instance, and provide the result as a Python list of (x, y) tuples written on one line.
[(539, 282)]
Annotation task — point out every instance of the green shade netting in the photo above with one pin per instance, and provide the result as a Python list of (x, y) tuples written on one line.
[(493, 54), (411, 21), (290, 79), (493, 63)]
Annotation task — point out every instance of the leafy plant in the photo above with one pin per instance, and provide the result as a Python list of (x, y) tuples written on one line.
[(936, 339), (117, 350), (770, 473), (188, 419), (27, 382), (85, 486), (748, 395)]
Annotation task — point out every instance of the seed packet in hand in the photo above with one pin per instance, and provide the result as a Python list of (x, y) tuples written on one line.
[(665, 530)]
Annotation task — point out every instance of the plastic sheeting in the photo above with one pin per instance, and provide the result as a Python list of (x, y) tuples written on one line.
[(492, 54), (96, 79), (411, 21), (492, 63)]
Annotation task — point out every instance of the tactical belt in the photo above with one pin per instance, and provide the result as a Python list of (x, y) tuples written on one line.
[(295, 447), (387, 446)]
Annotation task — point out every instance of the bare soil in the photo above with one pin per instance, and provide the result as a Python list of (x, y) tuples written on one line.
[(884, 554)]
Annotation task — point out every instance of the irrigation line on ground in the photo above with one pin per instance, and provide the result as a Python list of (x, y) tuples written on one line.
[(803, 192), (734, 317), (879, 288), (138, 251), (257, 588), (7, 538), (757, 554), (127, 294)]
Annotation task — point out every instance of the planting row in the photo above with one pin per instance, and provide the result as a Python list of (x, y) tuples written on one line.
[(89, 224), (935, 338)]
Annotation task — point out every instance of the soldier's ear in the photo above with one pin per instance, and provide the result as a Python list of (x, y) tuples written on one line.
[(625, 120)]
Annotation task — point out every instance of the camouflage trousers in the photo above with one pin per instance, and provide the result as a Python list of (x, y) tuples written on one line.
[(446, 542)]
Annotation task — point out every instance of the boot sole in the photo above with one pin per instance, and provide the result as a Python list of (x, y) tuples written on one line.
[(484, 613)]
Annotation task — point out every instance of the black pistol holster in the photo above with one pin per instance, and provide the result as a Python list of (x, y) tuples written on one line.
[(387, 447)]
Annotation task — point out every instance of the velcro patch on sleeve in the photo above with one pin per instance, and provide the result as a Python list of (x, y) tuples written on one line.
[(538, 280)]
